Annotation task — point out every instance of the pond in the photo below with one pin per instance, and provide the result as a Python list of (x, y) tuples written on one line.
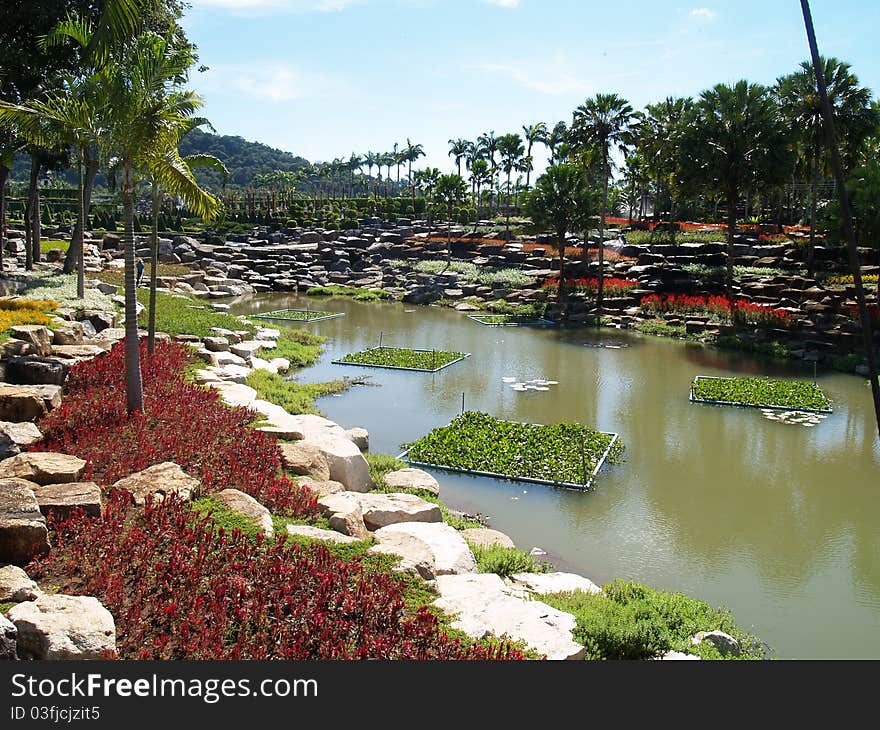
[(778, 522)]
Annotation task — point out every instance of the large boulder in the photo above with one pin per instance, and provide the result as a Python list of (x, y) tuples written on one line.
[(16, 586), (71, 333), (725, 643), (305, 459), (381, 510), (31, 370), (344, 513), (62, 499), (316, 533), (23, 532), (413, 479), (159, 481), (21, 434), (246, 505), (27, 402), (483, 607), (549, 583), (451, 553), (43, 467), (8, 636), (38, 337), (415, 556), (360, 437), (485, 537), (320, 489), (64, 627)]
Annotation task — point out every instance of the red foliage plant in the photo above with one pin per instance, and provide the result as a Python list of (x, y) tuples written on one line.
[(614, 287), (181, 422), (719, 307), (179, 588)]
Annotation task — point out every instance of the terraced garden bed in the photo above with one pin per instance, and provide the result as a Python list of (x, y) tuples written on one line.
[(401, 358), (298, 315), (510, 320), (563, 454), (760, 393)]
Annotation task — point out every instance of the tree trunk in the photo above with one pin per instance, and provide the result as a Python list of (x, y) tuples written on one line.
[(507, 223), (28, 233), (529, 167), (601, 293), (78, 233), (29, 214), (154, 267), (72, 259), (731, 233), (35, 210), (134, 393), (4, 174), (814, 188), (560, 290)]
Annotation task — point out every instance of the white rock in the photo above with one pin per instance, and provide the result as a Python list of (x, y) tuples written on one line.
[(249, 347), (451, 553), (345, 514), (258, 363), (16, 586), (235, 394), (246, 505), (484, 607), (63, 627), (553, 583), (415, 556), (316, 533), (227, 358), (413, 479), (486, 537), (360, 437), (266, 333), (381, 510), (280, 364), (676, 656)]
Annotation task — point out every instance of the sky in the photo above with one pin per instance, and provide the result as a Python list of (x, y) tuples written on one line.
[(325, 78)]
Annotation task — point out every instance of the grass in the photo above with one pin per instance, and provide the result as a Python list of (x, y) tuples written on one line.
[(382, 464), (178, 314), (758, 392), (772, 348), (631, 621), (660, 328), (293, 397), (350, 292), (117, 276), (47, 245), (225, 518), (505, 561), (719, 272), (506, 319), (401, 357), (301, 348)]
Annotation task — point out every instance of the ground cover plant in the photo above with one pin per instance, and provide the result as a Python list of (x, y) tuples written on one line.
[(24, 311), (401, 357), (299, 347), (508, 319), (631, 621), (560, 453), (178, 314), (471, 273), (794, 394), (117, 276), (613, 286), (293, 397), (717, 308), (350, 292), (181, 422), (47, 244), (61, 288), (505, 561), (296, 315), (179, 588)]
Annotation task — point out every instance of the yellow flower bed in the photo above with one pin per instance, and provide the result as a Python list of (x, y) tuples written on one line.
[(24, 311), (848, 279)]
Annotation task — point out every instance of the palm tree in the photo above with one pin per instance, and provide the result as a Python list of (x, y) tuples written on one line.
[(599, 123), (412, 153), (533, 133), (458, 148), (388, 159), (735, 139), (511, 149), (428, 179), (557, 136), (451, 191), (801, 106), (487, 145), (480, 175), (560, 202), (355, 163)]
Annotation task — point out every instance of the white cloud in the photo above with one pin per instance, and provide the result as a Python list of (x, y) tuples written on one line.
[(504, 3), (552, 78), (703, 14), (296, 6), (271, 82)]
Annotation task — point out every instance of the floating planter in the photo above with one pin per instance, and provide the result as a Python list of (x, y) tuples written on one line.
[(298, 315), (400, 358), (764, 393), (510, 320), (563, 455)]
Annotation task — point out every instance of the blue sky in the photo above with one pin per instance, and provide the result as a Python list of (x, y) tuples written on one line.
[(324, 78)]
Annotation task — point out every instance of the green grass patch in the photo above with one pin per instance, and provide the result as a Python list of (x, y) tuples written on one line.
[(769, 348), (659, 328), (223, 517), (47, 244), (382, 464), (631, 621), (505, 561), (178, 314), (350, 292), (758, 392), (402, 358), (470, 273), (295, 398), (301, 348), (61, 288), (559, 453), (117, 276)]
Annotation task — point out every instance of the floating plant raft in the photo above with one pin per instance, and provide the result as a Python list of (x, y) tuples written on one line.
[(764, 393), (563, 454), (511, 320), (401, 358), (298, 315)]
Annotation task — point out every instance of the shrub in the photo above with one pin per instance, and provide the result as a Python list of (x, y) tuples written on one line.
[(295, 398), (382, 464), (504, 561), (613, 286)]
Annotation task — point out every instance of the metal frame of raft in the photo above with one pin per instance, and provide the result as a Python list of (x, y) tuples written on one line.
[(748, 405), (464, 356), (478, 318), (324, 315), (510, 478)]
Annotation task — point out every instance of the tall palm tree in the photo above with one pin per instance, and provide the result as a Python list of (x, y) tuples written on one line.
[(533, 133), (488, 148), (556, 137), (854, 120), (735, 139), (511, 150), (354, 164), (428, 179), (480, 175), (600, 123), (458, 148), (412, 153), (560, 202), (450, 191)]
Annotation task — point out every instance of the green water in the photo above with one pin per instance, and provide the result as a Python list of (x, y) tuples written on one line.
[(780, 523)]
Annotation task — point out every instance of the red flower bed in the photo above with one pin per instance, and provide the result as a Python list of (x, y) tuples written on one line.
[(182, 423), (720, 308), (614, 287), (180, 589)]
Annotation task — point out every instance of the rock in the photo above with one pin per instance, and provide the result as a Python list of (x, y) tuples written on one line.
[(485, 537), (8, 448), (246, 505), (280, 364), (62, 499), (21, 434), (37, 336), (29, 370), (676, 656), (320, 489), (553, 583), (483, 607), (381, 510), (250, 347), (360, 437), (71, 333), (8, 636), (221, 359), (161, 480), (79, 352), (316, 533), (216, 344), (235, 394), (258, 363), (725, 643), (412, 479), (345, 514), (23, 532), (537, 552), (305, 459), (451, 553), (16, 586), (64, 627), (27, 402), (415, 556), (43, 467)]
